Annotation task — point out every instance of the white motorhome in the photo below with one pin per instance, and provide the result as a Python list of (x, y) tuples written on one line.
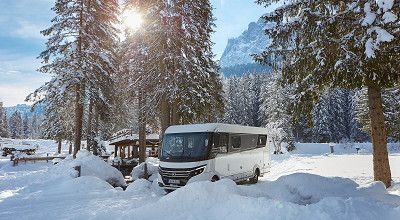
[(211, 152)]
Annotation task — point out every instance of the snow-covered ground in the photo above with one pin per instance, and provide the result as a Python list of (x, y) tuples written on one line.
[(43, 147), (303, 185)]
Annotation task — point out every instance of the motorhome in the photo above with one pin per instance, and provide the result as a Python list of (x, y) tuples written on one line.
[(212, 151)]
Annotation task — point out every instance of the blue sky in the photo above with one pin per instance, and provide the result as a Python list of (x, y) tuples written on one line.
[(21, 42)]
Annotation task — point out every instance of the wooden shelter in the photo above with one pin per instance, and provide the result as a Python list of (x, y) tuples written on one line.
[(127, 145)]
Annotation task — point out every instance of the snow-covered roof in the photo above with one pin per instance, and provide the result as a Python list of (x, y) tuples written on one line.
[(215, 127), (134, 137)]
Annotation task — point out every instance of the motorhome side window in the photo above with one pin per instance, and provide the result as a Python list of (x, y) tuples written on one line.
[(249, 141), (262, 140), (223, 143), (220, 142), (235, 142)]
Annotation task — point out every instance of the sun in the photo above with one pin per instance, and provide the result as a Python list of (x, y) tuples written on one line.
[(132, 20)]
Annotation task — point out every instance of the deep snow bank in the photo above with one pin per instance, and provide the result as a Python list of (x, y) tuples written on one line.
[(152, 169), (297, 196), (340, 148), (90, 166)]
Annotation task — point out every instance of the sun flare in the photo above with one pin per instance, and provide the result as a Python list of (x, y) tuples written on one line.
[(131, 20)]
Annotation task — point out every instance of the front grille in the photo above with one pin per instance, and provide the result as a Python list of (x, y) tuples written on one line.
[(183, 175), (175, 174)]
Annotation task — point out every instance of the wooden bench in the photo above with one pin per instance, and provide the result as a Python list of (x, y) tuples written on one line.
[(34, 159)]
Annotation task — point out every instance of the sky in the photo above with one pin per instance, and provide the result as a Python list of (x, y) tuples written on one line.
[(21, 42)]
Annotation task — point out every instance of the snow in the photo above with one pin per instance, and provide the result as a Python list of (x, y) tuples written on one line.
[(369, 15), (389, 17), (43, 147), (308, 184), (385, 5), (92, 166), (133, 137), (342, 148), (152, 169), (373, 44)]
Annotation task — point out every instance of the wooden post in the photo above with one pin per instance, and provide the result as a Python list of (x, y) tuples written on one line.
[(115, 151), (129, 152), (70, 148), (59, 146), (78, 168)]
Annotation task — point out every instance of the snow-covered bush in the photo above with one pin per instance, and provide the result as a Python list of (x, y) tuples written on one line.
[(152, 169), (91, 166)]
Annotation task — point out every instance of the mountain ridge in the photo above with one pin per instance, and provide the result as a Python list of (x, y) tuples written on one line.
[(236, 58)]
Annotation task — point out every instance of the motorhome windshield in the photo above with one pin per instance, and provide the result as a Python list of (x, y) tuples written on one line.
[(185, 147)]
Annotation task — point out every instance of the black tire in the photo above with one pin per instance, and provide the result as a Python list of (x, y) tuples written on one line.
[(254, 179), (168, 190), (214, 179)]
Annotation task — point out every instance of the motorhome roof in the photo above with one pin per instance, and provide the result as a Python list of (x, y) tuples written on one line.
[(215, 127)]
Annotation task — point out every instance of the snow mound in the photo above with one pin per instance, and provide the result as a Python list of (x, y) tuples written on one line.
[(140, 185), (80, 185), (90, 166), (297, 196), (152, 169), (305, 189)]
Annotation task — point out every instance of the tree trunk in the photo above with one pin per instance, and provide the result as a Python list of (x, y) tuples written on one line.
[(70, 147), (165, 115), (89, 135), (142, 128), (78, 118), (95, 133), (175, 117), (59, 146), (79, 89), (378, 135)]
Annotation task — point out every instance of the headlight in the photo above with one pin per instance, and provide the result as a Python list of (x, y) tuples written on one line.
[(198, 171)]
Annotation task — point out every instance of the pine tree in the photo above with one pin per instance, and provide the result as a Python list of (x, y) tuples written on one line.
[(333, 117), (16, 126), (275, 111), (182, 79), (34, 127), (330, 43), (235, 108), (3, 122), (391, 106), (243, 96), (26, 126), (79, 53)]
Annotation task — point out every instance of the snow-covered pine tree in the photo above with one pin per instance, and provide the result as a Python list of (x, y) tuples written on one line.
[(235, 107), (243, 100), (101, 51), (391, 102), (184, 82), (64, 56), (322, 119), (200, 88), (16, 126), (79, 53), (57, 122), (275, 111), (27, 129), (34, 127), (345, 44), (3, 122), (333, 117), (391, 106), (252, 84)]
